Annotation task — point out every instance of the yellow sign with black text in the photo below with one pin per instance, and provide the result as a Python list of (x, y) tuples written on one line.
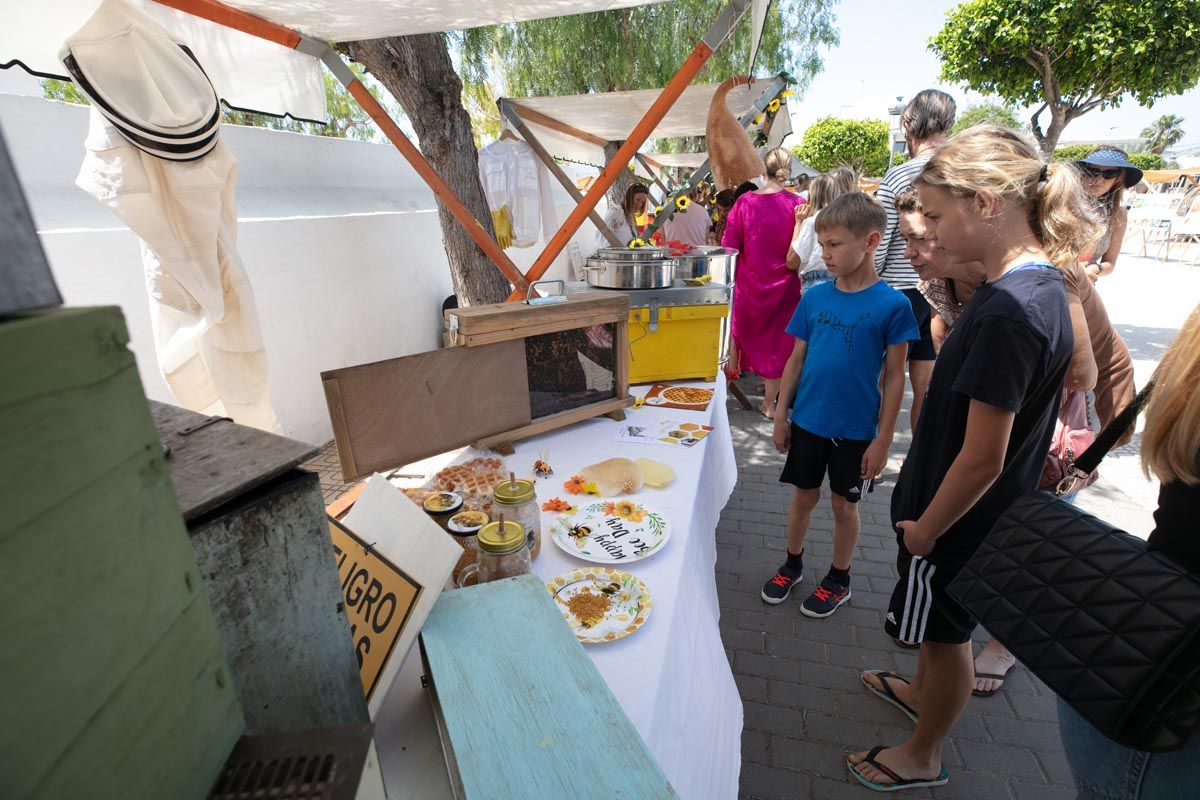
[(380, 598)]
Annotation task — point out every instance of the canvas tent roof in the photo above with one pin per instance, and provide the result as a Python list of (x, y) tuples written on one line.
[(254, 74), (610, 116)]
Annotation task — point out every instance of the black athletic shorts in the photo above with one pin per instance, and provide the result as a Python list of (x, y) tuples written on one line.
[(922, 350), (811, 456), (920, 610)]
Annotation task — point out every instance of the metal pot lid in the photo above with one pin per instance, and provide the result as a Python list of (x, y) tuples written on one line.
[(627, 254), (708, 250)]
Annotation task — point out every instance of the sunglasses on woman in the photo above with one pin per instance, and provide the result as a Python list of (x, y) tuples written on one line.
[(1107, 174)]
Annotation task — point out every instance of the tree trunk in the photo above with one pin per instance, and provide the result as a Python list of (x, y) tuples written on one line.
[(616, 192), (1049, 139), (418, 72)]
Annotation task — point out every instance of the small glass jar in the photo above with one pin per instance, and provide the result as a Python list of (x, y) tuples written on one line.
[(441, 506), (464, 527), (503, 553), (517, 500)]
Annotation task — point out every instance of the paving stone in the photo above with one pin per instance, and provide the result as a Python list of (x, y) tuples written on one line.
[(866, 707), (1056, 768), (754, 747), (773, 719), (771, 783), (832, 630), (1024, 790), (751, 687), (859, 658), (966, 785), (754, 621), (792, 647), (727, 580), (1038, 707), (741, 514), (811, 758), (874, 569), (738, 639), (1038, 735), (849, 789), (805, 698), (847, 732), (843, 679), (1014, 762), (767, 666), (731, 598)]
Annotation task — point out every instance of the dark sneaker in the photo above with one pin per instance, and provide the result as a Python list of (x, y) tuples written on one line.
[(826, 599), (776, 590)]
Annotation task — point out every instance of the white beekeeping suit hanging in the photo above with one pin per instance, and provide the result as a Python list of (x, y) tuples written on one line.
[(514, 177), (175, 190)]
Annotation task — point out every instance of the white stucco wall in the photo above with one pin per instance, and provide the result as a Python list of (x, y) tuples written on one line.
[(341, 240)]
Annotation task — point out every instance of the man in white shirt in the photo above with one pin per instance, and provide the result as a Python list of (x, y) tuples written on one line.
[(691, 225)]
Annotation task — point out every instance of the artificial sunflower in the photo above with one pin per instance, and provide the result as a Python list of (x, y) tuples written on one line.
[(758, 120), (682, 202), (716, 216), (787, 93), (774, 105), (627, 509), (636, 243), (658, 209)]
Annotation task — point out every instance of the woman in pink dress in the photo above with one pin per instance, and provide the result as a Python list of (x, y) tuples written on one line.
[(767, 292)]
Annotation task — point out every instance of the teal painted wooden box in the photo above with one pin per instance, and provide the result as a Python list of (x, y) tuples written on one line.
[(520, 707), (115, 681)]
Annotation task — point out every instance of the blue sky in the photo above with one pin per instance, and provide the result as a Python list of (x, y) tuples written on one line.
[(861, 81)]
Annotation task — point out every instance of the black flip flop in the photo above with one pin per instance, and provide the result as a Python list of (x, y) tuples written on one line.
[(942, 778), (886, 694), (1002, 678)]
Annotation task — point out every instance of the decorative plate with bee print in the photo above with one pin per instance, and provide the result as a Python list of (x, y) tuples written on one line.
[(617, 531), (601, 604)]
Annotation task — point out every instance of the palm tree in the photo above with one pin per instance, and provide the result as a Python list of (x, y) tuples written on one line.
[(1163, 132)]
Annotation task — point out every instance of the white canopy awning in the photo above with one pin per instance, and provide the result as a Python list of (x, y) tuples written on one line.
[(610, 116), (254, 74)]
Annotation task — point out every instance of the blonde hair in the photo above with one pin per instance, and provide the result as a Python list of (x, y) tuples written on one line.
[(1007, 164), (1171, 440), (857, 212), (844, 178), (779, 164)]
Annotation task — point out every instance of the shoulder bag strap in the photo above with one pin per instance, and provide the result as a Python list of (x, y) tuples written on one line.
[(1105, 440)]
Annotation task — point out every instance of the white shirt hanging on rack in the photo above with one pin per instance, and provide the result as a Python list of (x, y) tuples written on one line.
[(513, 176)]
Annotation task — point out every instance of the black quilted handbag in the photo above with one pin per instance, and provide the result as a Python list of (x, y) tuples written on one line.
[(1111, 627)]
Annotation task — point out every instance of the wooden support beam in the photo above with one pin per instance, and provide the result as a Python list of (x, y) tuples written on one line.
[(645, 162), (717, 33), (237, 19), (554, 125), (510, 113)]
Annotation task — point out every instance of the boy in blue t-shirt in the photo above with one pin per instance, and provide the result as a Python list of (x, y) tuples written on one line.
[(845, 331)]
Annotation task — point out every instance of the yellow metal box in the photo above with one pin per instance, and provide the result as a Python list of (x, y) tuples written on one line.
[(675, 342)]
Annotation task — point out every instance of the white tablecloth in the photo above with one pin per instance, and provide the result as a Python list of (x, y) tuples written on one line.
[(671, 677)]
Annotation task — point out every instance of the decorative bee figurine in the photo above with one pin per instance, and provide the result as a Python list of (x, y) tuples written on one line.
[(611, 589), (542, 468)]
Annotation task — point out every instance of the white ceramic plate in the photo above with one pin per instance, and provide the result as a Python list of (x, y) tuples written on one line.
[(629, 602), (617, 531)]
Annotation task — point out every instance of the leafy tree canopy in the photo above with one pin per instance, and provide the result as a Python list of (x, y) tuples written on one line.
[(1077, 152), (991, 113), (1071, 56), (859, 143), (1163, 132), (638, 48)]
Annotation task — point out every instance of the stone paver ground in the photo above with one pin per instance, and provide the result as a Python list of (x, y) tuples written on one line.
[(805, 707)]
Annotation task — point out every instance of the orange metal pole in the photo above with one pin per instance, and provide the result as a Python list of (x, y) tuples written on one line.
[(237, 19), (654, 115), (444, 193)]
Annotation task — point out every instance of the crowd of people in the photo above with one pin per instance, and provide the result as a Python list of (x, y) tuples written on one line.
[(971, 270)]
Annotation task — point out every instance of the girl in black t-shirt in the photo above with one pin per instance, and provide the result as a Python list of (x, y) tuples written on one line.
[(988, 416)]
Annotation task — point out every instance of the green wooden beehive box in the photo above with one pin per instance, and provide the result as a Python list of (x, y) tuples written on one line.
[(115, 681)]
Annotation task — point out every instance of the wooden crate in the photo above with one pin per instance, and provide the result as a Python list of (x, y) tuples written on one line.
[(478, 391), (521, 708), (118, 684)]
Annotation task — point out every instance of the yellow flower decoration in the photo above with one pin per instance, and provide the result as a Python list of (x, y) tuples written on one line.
[(658, 209), (787, 93), (627, 509), (635, 243), (773, 106), (682, 202), (758, 120), (716, 216)]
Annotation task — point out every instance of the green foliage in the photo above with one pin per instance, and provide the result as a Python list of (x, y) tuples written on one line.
[(1145, 161), (859, 143), (990, 113), (63, 92), (1073, 56), (900, 158), (1073, 152), (639, 48), (1163, 132)]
